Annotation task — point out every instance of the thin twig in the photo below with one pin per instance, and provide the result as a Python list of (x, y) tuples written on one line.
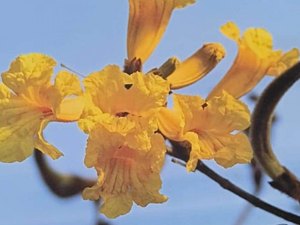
[(71, 70), (283, 179)]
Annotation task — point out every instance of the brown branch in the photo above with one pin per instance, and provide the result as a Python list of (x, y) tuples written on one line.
[(283, 179), (226, 184), (61, 185)]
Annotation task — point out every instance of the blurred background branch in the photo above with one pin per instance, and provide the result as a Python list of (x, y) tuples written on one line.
[(62, 185)]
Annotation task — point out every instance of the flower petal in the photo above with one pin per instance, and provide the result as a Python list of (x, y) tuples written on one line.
[(199, 151), (67, 84), (125, 174), (182, 3), (260, 41), (18, 126), (238, 150), (170, 124), (92, 193), (231, 31), (4, 93), (42, 145), (69, 109), (190, 107), (147, 23), (226, 106), (286, 61), (91, 115), (33, 69), (197, 65), (66, 97), (115, 206), (115, 92)]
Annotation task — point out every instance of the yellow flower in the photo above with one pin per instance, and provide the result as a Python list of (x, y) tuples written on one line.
[(126, 174), (256, 58), (121, 119), (211, 127), (28, 101), (147, 23), (116, 96), (196, 66)]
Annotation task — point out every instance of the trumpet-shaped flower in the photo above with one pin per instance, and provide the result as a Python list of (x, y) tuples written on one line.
[(28, 101), (211, 127), (196, 66), (126, 174), (147, 23), (123, 146), (256, 58)]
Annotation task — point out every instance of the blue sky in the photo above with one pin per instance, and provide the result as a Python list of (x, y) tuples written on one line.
[(86, 36)]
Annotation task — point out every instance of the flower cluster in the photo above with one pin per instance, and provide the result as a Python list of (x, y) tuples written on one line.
[(125, 112)]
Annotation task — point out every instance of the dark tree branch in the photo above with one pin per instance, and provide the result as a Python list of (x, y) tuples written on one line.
[(283, 179)]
